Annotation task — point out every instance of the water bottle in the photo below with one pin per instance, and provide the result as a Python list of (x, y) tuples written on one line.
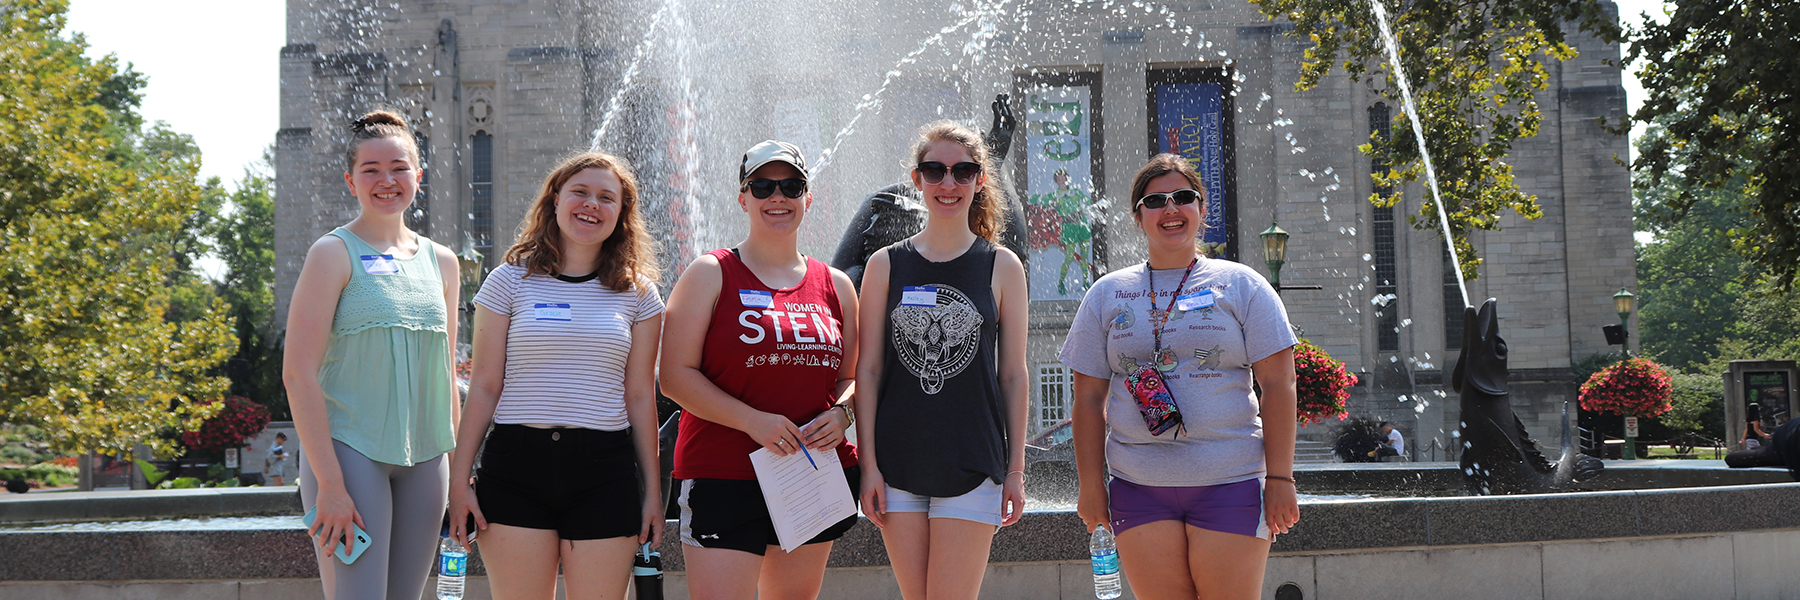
[(647, 575), (453, 563), (1105, 553)]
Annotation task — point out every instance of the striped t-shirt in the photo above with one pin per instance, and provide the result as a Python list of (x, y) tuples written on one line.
[(565, 347)]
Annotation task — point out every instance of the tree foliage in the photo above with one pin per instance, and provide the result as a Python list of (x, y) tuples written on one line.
[(86, 353), (1476, 68), (245, 240), (1718, 77)]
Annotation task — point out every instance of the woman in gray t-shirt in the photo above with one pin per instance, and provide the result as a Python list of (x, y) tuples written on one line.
[(1195, 497)]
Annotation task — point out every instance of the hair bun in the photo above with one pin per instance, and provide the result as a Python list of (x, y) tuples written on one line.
[(379, 117)]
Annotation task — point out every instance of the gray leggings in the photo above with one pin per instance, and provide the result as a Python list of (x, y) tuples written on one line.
[(402, 509)]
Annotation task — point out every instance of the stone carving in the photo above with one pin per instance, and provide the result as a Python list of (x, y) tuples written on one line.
[(897, 212), (480, 111), (1499, 456)]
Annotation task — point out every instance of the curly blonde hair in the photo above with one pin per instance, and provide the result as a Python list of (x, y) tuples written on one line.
[(987, 212), (627, 257)]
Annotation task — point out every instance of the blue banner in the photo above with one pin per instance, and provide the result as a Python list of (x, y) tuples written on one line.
[(1189, 122)]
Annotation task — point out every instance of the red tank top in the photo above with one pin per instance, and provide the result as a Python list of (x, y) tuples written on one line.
[(778, 351)]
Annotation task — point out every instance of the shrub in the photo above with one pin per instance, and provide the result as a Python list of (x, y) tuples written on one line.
[(239, 420)]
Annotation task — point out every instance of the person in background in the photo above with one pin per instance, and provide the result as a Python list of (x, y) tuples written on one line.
[(1165, 355), (758, 353), (367, 370), (565, 370), (943, 366), (275, 466)]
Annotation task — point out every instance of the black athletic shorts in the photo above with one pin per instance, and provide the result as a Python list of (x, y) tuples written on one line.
[(731, 514), (583, 483)]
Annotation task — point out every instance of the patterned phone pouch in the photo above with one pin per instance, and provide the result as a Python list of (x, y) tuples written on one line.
[(1154, 400)]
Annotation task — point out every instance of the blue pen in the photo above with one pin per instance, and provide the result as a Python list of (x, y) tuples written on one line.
[(809, 457)]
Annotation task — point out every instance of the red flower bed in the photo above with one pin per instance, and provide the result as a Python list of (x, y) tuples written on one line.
[(1321, 383), (1634, 387), (238, 421)]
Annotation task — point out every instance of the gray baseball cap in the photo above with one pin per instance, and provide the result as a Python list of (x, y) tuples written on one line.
[(768, 151)]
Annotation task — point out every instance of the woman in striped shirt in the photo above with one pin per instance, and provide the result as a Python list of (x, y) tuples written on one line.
[(564, 363)]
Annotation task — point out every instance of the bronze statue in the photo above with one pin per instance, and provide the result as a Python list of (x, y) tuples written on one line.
[(897, 212), (1499, 456)]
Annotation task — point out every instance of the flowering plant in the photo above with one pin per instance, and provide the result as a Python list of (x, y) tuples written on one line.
[(1321, 383), (1632, 387), (238, 420)]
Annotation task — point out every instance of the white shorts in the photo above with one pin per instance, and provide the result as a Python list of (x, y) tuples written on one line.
[(981, 505)]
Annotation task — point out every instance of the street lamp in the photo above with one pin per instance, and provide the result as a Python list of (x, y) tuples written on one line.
[(1274, 252), (1623, 301)]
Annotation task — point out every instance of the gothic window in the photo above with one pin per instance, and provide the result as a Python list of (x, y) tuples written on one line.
[(1055, 392), (419, 218), (1453, 305), (481, 193), (1387, 314)]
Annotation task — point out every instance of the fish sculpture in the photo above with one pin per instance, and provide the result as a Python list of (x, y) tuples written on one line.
[(1498, 454)]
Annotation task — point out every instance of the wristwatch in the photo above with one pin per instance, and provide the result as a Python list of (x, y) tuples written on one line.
[(848, 412)]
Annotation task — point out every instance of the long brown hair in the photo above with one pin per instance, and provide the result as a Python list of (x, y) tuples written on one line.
[(627, 257), (375, 125), (987, 211)]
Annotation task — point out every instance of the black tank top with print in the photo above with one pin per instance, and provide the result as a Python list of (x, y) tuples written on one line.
[(940, 424)]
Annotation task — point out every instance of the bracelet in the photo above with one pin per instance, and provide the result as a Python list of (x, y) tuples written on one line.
[(1009, 473), (1290, 480)]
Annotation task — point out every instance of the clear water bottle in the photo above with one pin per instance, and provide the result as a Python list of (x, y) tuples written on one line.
[(1105, 553), (453, 564)]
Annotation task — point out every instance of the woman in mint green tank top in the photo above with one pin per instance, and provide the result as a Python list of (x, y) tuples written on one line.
[(368, 374)]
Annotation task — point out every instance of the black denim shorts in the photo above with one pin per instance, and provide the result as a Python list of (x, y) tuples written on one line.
[(583, 483), (731, 514)]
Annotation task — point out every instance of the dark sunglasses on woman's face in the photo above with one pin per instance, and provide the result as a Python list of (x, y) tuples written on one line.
[(1181, 198), (933, 172), (763, 188)]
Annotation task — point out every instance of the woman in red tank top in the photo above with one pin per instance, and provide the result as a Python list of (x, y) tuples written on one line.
[(758, 340)]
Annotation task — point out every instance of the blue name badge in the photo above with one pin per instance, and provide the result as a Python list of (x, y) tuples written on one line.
[(921, 295), (379, 264), (1195, 301), (554, 312), (756, 298)]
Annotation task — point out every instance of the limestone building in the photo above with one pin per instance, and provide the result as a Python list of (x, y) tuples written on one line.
[(501, 91)]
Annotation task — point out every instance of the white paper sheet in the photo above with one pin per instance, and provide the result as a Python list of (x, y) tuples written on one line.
[(803, 501)]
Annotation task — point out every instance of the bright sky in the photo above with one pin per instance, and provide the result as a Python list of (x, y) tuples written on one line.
[(214, 67)]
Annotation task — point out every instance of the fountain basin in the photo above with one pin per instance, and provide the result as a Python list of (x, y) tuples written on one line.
[(1694, 539)]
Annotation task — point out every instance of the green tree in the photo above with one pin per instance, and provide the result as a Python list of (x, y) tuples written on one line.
[(1690, 281), (245, 239), (85, 351), (1476, 67), (1718, 77)]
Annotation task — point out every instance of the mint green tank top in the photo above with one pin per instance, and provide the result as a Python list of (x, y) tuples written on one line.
[(387, 375)]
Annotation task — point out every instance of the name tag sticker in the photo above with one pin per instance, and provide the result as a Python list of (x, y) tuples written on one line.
[(1195, 301), (921, 295), (554, 312), (756, 298), (379, 264)]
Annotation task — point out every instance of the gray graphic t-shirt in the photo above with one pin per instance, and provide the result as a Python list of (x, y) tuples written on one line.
[(1229, 317)]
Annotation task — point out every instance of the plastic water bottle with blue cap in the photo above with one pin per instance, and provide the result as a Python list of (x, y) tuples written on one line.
[(453, 564), (1105, 552)]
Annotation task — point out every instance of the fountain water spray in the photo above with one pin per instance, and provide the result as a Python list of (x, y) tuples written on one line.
[(1412, 112), (626, 80)]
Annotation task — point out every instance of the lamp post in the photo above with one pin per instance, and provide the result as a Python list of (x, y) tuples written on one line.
[(1623, 302), (1274, 252), (470, 263)]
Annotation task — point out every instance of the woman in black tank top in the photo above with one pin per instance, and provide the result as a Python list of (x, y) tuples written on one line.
[(942, 368)]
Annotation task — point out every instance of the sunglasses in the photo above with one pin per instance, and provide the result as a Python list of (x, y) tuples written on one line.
[(933, 172), (1181, 198), (763, 188)]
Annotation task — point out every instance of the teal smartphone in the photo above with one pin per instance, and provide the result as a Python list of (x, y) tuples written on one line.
[(358, 545)]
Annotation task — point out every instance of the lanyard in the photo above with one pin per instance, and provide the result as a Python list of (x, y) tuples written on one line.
[(1157, 326)]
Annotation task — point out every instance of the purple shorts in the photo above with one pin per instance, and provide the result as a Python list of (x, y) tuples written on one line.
[(1227, 508)]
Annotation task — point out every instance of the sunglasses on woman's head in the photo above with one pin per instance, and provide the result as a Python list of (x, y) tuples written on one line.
[(933, 172), (1181, 197), (763, 188)]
